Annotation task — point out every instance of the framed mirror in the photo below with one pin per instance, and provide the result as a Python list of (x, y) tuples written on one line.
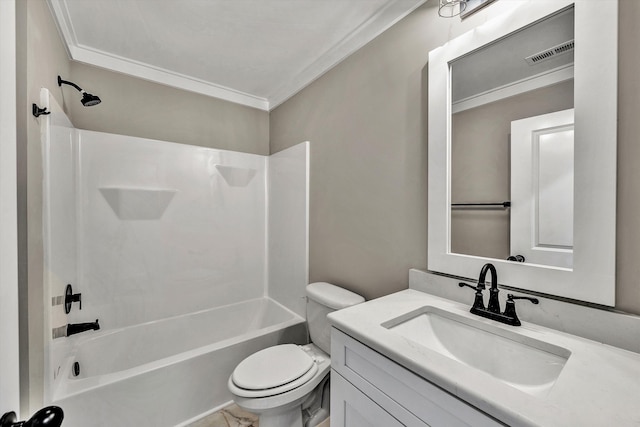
[(522, 149)]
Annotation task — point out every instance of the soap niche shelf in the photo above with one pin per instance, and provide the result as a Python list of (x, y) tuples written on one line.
[(138, 203), (236, 177)]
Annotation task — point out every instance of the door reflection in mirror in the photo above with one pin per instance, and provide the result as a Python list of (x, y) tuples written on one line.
[(542, 158)]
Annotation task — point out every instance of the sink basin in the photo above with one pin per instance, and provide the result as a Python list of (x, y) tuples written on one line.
[(523, 362)]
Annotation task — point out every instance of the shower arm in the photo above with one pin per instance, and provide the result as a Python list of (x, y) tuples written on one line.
[(60, 82)]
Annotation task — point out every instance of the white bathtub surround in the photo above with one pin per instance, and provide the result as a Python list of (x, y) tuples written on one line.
[(59, 231), (156, 235), (166, 372), (609, 327), (288, 225), (597, 386), (200, 244)]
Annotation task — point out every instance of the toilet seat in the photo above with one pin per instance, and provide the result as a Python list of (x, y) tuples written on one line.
[(272, 371)]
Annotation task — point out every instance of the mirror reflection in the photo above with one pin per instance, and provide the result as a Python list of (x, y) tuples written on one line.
[(512, 146)]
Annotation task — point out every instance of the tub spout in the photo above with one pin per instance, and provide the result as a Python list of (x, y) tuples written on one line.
[(76, 328)]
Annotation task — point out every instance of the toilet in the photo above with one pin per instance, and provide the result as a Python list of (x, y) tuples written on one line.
[(287, 385)]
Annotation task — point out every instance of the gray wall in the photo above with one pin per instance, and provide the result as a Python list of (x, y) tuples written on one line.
[(367, 123), (366, 120), (628, 209), (135, 107), (480, 167)]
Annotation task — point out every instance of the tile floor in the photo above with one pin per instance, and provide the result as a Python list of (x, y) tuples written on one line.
[(232, 416)]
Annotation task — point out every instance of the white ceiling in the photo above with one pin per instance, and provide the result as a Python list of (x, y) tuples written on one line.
[(503, 63), (253, 52)]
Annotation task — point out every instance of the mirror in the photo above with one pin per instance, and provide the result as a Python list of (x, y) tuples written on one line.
[(542, 139), (525, 75)]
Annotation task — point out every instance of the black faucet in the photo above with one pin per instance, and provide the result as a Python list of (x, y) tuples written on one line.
[(494, 303), (76, 328), (492, 311)]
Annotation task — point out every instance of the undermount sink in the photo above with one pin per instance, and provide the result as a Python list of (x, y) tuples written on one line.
[(523, 362)]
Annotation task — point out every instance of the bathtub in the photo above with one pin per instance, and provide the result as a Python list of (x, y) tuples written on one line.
[(168, 372)]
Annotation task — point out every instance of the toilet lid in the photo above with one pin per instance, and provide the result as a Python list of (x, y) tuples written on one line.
[(272, 367)]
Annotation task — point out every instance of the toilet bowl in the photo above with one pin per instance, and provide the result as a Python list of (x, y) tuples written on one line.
[(287, 385)]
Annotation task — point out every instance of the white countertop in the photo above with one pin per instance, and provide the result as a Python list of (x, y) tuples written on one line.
[(598, 386)]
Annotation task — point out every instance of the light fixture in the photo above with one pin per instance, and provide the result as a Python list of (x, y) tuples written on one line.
[(451, 8), (87, 100)]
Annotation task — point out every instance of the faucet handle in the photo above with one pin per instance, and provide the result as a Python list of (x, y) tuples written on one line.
[(478, 287), (69, 298), (478, 302), (510, 308), (511, 297), (462, 285)]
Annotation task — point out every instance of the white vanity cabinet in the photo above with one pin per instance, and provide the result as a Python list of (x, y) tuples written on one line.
[(370, 390)]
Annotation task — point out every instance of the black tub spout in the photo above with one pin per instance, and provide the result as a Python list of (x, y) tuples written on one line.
[(76, 328)]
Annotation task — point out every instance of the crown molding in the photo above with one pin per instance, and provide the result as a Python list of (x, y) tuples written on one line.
[(80, 53), (300, 79), (165, 77), (347, 46), (538, 81)]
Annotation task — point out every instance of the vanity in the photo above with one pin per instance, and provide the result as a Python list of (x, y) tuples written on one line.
[(415, 359)]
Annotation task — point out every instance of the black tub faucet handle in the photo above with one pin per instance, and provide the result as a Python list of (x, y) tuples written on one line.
[(70, 298)]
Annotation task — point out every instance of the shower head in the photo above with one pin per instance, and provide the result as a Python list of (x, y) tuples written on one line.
[(88, 100)]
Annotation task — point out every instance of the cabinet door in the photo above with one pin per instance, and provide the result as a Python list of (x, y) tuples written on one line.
[(405, 395), (351, 408)]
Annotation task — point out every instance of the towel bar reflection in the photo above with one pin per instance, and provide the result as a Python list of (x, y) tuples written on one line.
[(502, 205)]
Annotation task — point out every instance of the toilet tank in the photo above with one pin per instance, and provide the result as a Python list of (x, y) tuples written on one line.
[(322, 299)]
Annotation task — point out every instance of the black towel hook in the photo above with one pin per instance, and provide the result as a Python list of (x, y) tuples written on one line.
[(37, 111)]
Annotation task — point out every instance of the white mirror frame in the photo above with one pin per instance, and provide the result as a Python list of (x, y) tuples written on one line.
[(592, 278)]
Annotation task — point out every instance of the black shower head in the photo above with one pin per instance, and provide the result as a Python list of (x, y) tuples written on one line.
[(87, 100)]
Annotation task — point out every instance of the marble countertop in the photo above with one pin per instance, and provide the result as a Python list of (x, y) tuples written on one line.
[(598, 386)]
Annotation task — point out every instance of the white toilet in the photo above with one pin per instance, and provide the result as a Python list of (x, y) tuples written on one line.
[(286, 385)]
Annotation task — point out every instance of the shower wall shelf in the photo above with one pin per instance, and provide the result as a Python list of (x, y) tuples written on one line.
[(236, 177), (138, 203)]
